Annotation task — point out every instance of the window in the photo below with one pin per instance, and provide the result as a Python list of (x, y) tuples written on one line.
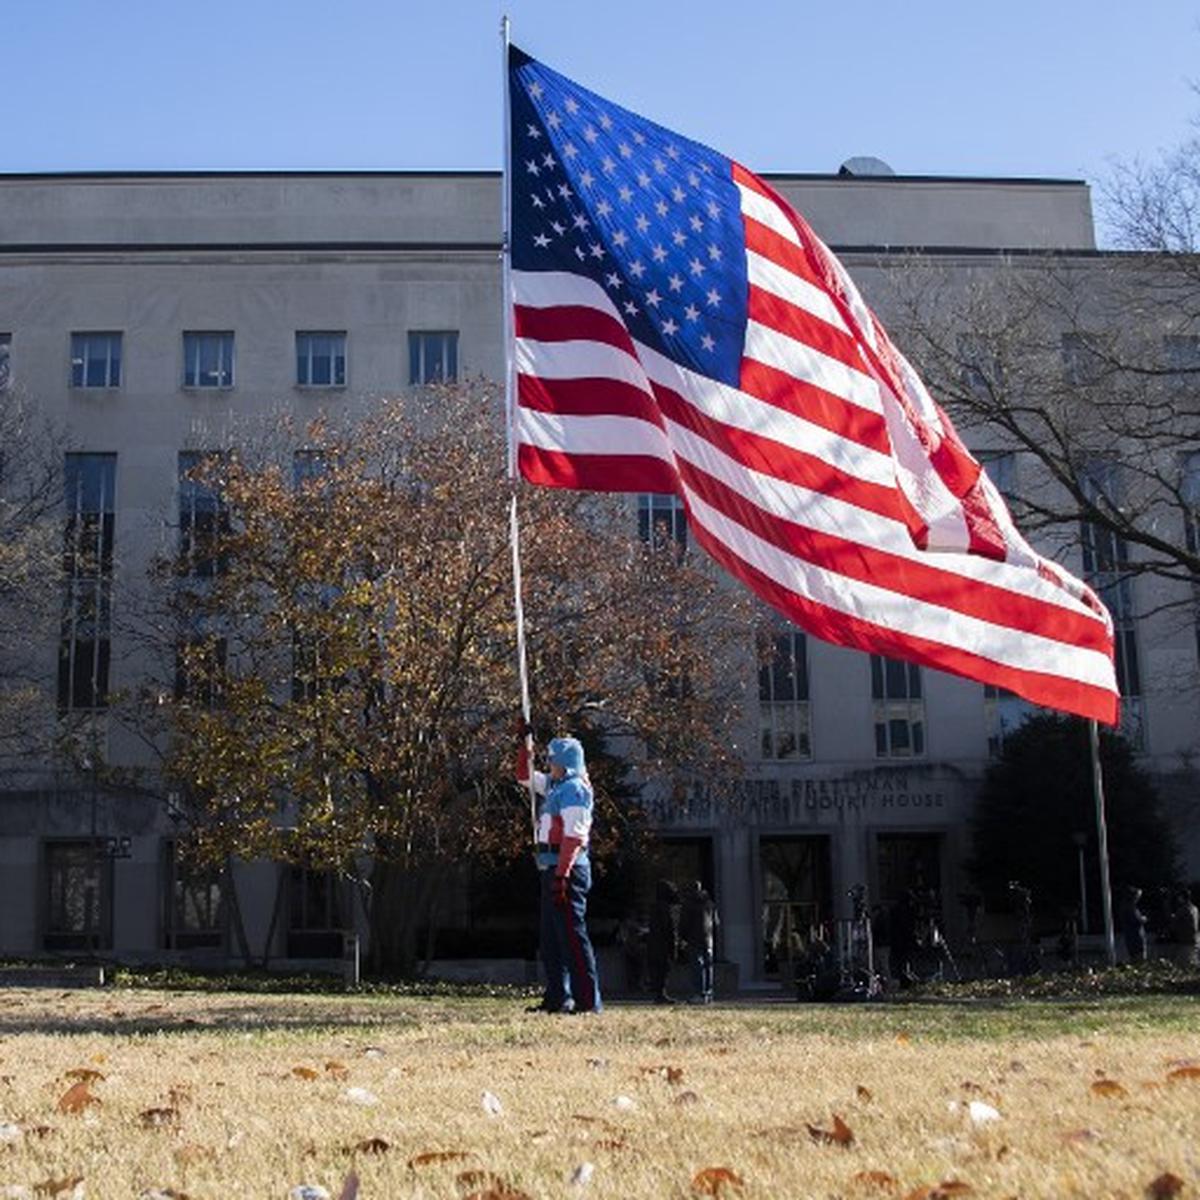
[(321, 360), (95, 360), (200, 669), (433, 356), (203, 517), (796, 894), (84, 646), (1106, 567), (5, 359), (783, 699), (662, 520), (78, 891), (314, 914), (1183, 361), (980, 364), (1003, 712), (1085, 359), (208, 360), (898, 708), (193, 901)]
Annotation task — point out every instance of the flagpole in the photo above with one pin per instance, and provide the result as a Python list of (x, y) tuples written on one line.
[(1102, 833), (510, 419)]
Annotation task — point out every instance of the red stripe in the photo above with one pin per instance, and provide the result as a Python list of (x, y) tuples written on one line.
[(814, 404), (596, 472), (779, 314), (1053, 691), (571, 323), (587, 398), (581, 981), (903, 576), (771, 244), (760, 453)]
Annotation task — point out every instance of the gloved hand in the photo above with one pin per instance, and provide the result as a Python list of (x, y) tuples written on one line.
[(560, 891)]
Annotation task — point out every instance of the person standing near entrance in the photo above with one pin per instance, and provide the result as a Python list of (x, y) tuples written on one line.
[(565, 876), (698, 922)]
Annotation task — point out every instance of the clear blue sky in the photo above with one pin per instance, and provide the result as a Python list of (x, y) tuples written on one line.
[(954, 87)]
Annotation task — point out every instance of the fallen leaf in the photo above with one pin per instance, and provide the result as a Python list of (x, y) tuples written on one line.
[(940, 1191), (624, 1103), (863, 1093), (192, 1152), (84, 1075), (688, 1097), (839, 1135), (373, 1052), (902, 1039), (713, 1180), (492, 1194), (372, 1145), (610, 1144), (56, 1187), (1110, 1089), (337, 1069), (1181, 1073), (1164, 1187), (879, 1179), (162, 1194), (430, 1157), (158, 1118), (76, 1098), (305, 1073)]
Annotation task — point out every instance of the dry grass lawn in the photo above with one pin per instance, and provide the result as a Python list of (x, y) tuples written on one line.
[(223, 1096)]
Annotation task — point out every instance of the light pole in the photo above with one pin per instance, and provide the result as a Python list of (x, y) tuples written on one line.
[(1080, 840)]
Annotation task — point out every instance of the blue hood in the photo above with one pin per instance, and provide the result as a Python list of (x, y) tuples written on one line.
[(567, 752)]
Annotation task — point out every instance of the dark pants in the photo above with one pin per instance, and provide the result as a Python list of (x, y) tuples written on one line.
[(558, 978), (702, 974), (573, 946)]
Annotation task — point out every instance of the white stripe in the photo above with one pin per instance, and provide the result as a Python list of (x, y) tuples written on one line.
[(579, 360), (592, 434), (897, 612), (801, 361), (766, 212), (787, 285), (546, 289)]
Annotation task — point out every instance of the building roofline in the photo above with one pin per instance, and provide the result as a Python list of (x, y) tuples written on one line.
[(333, 173)]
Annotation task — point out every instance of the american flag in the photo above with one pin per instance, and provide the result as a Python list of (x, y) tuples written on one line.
[(679, 329)]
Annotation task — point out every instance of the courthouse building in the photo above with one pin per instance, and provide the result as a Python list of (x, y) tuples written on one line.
[(152, 314)]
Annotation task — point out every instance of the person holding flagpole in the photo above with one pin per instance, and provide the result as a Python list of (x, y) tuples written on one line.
[(565, 875)]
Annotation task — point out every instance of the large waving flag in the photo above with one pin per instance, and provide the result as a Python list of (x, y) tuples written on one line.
[(680, 329)]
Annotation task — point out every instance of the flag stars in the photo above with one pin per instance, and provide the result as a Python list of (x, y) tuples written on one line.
[(678, 194), (643, 179), (642, 223), (548, 161), (613, 280), (579, 221), (707, 342), (605, 121), (714, 252), (713, 297), (714, 209), (536, 200), (631, 309), (661, 208), (564, 191), (626, 193), (653, 298), (639, 137), (590, 135), (659, 252), (697, 224), (624, 150), (533, 131), (670, 327), (675, 283), (553, 119), (603, 208), (596, 250), (619, 238), (608, 165), (673, 152), (571, 106), (679, 237), (692, 313), (535, 90), (541, 241), (697, 267), (532, 167), (570, 150), (587, 178), (637, 268), (693, 179), (579, 254), (558, 227), (659, 165)]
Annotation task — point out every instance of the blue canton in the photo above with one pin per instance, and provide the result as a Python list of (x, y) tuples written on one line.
[(652, 217)]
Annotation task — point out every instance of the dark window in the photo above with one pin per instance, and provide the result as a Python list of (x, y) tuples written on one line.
[(78, 890), (898, 708), (208, 360), (84, 644), (783, 698), (200, 670), (662, 520), (797, 896), (321, 359), (315, 921), (193, 901), (433, 356), (203, 516), (95, 360)]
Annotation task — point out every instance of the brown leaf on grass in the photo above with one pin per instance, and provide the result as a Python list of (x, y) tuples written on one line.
[(84, 1075), (76, 1098), (99, 1059), (1081, 1137), (430, 1157), (162, 1194), (864, 1094), (1179, 1074), (372, 1145), (878, 1179), (337, 1069), (902, 1039), (688, 1097), (480, 1181), (56, 1187), (611, 1144), (305, 1073), (1166, 1186), (39, 1131), (941, 1191), (673, 1075), (586, 1120), (192, 1152), (712, 1181), (840, 1135), (179, 1093), (1110, 1089), (158, 1118)]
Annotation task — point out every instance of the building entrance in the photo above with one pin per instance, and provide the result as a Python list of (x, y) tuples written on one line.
[(797, 899)]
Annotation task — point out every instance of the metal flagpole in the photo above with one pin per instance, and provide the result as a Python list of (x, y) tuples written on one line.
[(1102, 832), (510, 415)]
